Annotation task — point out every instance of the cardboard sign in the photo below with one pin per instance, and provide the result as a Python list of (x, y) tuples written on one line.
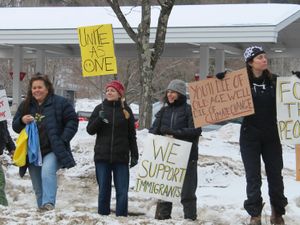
[(162, 168), (214, 100), (97, 50), (4, 106), (288, 109)]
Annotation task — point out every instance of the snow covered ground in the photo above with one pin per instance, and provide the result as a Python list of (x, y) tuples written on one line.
[(221, 187)]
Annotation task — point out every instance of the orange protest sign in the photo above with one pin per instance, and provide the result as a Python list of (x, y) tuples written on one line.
[(215, 100)]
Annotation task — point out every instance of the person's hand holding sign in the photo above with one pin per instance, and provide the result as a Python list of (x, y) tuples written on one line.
[(297, 73)]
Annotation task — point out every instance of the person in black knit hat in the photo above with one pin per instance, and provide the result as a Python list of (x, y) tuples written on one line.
[(175, 119), (259, 138)]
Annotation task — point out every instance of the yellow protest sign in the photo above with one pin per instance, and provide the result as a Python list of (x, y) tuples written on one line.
[(97, 50)]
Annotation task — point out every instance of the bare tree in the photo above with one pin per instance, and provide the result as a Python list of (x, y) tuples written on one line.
[(148, 54), (10, 3)]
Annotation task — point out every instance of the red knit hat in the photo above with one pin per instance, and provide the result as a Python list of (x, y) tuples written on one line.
[(116, 85)]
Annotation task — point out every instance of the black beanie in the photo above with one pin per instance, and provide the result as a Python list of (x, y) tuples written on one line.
[(251, 52)]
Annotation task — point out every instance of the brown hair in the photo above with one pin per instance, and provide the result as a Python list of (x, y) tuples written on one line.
[(29, 97)]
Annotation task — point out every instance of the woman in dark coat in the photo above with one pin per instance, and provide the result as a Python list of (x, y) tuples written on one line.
[(57, 124), (113, 123), (259, 138), (176, 119)]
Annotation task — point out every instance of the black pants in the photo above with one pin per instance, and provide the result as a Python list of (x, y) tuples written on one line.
[(188, 196), (255, 144)]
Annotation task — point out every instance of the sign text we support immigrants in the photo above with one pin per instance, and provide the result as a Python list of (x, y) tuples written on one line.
[(162, 168)]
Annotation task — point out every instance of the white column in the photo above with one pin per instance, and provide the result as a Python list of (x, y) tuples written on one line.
[(17, 67), (40, 61), (204, 61), (220, 61)]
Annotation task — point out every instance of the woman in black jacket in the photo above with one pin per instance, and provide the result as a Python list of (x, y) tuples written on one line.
[(259, 138), (57, 124), (176, 119), (115, 146)]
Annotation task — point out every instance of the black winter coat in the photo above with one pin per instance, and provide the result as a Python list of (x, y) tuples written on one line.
[(178, 116), (264, 100), (61, 124), (5, 138), (116, 139)]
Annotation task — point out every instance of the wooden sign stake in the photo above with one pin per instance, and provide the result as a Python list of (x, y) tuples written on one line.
[(298, 162)]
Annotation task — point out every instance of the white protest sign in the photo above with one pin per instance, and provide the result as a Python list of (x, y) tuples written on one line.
[(4, 106), (288, 109), (162, 168)]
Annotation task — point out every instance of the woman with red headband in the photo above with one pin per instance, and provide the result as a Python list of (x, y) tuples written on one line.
[(113, 123)]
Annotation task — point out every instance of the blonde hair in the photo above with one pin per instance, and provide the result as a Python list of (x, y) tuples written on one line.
[(126, 113)]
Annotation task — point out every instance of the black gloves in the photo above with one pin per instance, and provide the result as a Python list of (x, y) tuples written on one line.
[(22, 170), (133, 162), (102, 116), (221, 75), (169, 131), (297, 73)]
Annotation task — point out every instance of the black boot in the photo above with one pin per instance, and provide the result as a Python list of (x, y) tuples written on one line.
[(163, 210), (276, 219), (255, 220)]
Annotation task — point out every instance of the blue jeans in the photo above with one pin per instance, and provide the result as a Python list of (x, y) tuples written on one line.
[(44, 179), (120, 172)]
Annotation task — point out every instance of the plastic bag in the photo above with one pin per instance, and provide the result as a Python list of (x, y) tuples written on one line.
[(19, 157), (33, 151)]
